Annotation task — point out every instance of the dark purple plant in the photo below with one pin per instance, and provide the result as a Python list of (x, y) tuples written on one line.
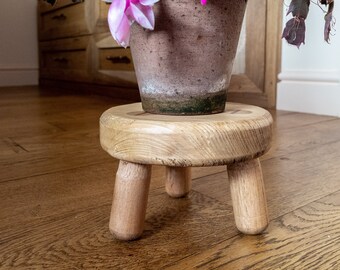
[(295, 29)]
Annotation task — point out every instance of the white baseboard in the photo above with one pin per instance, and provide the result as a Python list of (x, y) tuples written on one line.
[(19, 76), (316, 92)]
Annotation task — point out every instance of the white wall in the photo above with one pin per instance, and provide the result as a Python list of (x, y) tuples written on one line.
[(310, 76), (18, 43)]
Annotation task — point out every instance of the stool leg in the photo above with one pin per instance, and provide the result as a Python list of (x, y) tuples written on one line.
[(248, 196), (130, 199), (178, 181)]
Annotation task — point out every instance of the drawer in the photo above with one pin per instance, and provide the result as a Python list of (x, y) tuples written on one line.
[(44, 6), (65, 65), (115, 59), (112, 64), (65, 60), (64, 22), (66, 44)]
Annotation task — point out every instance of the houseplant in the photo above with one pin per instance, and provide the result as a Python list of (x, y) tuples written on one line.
[(184, 60), (168, 87), (183, 63), (294, 31)]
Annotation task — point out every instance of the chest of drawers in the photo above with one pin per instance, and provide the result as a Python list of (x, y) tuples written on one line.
[(75, 46)]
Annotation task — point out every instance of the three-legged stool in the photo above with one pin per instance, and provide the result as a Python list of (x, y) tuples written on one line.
[(236, 138)]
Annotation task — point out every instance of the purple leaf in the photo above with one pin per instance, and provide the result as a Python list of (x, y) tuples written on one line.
[(299, 8), (294, 31), (328, 20)]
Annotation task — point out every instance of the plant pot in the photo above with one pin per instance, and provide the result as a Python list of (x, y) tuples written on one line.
[(184, 66)]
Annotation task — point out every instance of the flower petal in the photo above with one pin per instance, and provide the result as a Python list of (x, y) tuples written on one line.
[(143, 15), (122, 35), (115, 15), (148, 2), (119, 23)]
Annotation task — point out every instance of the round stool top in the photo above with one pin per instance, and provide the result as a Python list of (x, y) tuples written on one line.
[(240, 133)]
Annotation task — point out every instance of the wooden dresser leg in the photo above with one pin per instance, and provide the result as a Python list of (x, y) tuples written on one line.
[(178, 181), (248, 196), (130, 199)]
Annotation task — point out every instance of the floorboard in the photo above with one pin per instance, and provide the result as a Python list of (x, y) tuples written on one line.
[(301, 239), (56, 187)]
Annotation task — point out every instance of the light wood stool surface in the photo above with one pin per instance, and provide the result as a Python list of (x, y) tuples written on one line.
[(236, 137)]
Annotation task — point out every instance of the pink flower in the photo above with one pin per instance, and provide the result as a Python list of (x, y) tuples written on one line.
[(123, 13)]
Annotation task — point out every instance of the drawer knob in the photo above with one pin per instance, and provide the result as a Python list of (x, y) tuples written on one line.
[(119, 59), (60, 17), (51, 2), (60, 60)]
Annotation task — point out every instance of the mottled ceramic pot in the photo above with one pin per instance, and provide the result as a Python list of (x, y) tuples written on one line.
[(184, 65)]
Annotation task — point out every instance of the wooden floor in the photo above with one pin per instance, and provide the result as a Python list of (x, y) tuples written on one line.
[(56, 188)]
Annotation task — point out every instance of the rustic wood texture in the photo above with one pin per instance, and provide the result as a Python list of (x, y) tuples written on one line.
[(56, 187), (257, 85), (273, 50), (178, 181), (68, 21), (255, 41), (240, 133), (130, 199), (76, 46), (128, 133), (248, 196), (44, 6)]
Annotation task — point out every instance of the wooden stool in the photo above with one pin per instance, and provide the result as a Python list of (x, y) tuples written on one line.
[(236, 137)]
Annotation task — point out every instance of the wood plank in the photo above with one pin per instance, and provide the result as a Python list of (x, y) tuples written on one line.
[(290, 120), (81, 239), (255, 41), (25, 164), (56, 197), (160, 224), (291, 181), (68, 190), (304, 137), (307, 238), (273, 49)]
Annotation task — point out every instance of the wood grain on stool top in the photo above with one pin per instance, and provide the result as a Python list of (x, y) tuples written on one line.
[(240, 133)]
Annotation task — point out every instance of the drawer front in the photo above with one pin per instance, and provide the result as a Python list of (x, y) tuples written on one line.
[(64, 22), (66, 44), (65, 59), (115, 59), (65, 65), (44, 6)]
